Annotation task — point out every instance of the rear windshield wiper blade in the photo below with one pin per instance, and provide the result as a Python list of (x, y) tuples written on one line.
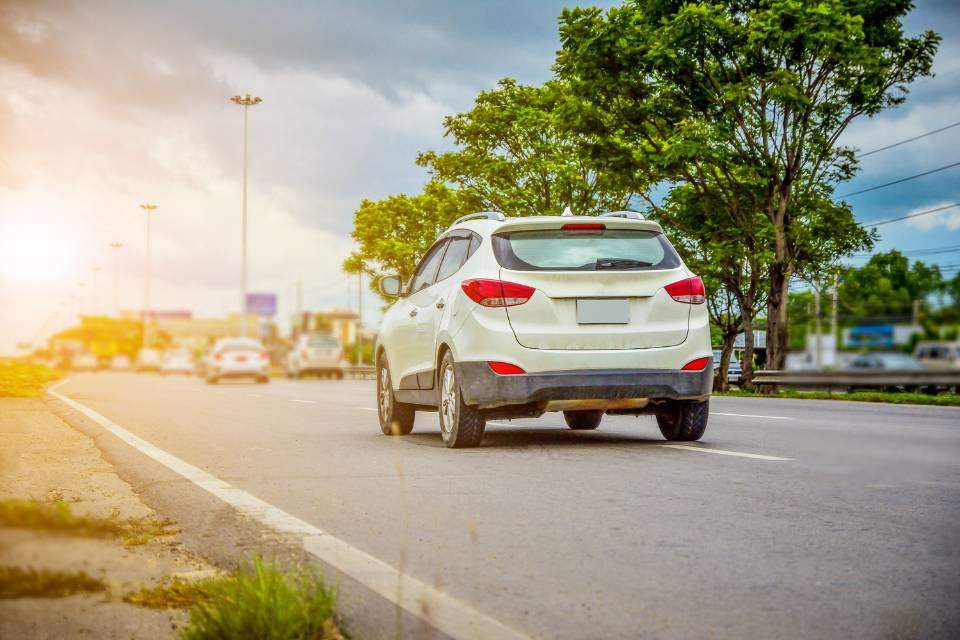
[(620, 263)]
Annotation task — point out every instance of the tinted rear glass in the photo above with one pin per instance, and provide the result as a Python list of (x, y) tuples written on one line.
[(558, 250)]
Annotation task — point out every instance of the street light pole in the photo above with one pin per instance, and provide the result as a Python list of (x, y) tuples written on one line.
[(148, 208), (246, 102), (116, 270)]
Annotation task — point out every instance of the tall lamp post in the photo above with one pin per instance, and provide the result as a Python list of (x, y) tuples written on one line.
[(148, 209), (94, 290), (245, 101), (116, 246)]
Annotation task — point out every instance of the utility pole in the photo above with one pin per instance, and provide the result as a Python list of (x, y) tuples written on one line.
[(116, 246), (819, 328), (833, 314), (148, 208), (298, 327), (246, 102), (359, 318), (916, 313)]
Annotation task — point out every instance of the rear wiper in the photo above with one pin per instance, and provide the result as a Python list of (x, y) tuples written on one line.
[(620, 263)]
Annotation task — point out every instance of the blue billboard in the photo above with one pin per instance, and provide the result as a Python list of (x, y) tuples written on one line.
[(262, 304)]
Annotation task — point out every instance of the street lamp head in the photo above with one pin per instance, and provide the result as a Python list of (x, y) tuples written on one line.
[(246, 100), (148, 207)]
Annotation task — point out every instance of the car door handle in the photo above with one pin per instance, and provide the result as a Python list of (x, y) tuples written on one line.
[(439, 304), (413, 312)]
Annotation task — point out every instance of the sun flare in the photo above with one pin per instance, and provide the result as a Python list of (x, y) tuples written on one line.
[(33, 252)]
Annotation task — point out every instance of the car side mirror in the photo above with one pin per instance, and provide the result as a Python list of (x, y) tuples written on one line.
[(390, 286)]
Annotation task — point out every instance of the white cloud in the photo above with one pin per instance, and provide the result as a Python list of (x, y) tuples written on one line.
[(948, 218)]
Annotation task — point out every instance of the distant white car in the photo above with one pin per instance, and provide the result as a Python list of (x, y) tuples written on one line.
[(238, 358), (85, 362), (319, 354), (120, 363), (177, 361), (148, 360)]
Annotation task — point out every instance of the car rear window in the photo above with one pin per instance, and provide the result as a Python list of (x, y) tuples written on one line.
[(229, 347), (608, 249)]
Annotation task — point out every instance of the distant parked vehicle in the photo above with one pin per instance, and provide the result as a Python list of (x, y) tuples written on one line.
[(204, 362), (938, 355), (890, 362), (85, 362), (238, 358), (319, 354), (120, 363), (734, 370), (177, 361), (148, 360)]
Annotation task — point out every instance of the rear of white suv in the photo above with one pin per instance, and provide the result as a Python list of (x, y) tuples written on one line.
[(511, 318)]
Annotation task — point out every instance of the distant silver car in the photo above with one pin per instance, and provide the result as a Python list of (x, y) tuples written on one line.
[(238, 358), (148, 360), (317, 354), (177, 361), (120, 363), (85, 362)]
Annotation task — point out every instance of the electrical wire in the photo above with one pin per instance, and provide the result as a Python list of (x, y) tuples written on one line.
[(922, 135), (911, 215), (908, 178)]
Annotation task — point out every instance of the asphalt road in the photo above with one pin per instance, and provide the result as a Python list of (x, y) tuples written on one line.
[(791, 519)]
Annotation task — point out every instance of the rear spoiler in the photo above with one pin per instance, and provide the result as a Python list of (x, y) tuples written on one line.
[(556, 222)]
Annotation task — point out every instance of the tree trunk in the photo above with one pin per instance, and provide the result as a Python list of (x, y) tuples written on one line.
[(746, 375), (720, 381), (777, 330)]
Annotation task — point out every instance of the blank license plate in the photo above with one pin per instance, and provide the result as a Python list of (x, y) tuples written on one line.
[(615, 311)]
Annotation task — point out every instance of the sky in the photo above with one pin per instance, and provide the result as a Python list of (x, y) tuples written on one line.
[(106, 105)]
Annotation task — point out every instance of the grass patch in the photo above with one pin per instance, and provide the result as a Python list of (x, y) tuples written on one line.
[(19, 380), (178, 593), (32, 583), (943, 400), (56, 517), (259, 602)]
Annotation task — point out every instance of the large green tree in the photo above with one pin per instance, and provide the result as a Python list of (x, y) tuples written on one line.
[(517, 155), (394, 233), (745, 99), (888, 285)]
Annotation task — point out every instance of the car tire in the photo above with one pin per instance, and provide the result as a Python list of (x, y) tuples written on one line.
[(685, 422), (396, 418), (583, 420), (461, 426)]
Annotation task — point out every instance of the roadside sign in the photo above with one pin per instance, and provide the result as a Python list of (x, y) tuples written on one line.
[(262, 304)]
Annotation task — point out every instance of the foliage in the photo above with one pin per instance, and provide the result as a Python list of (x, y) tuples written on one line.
[(18, 380), (57, 517), (105, 336), (942, 400), (745, 100), (395, 232), (16, 582), (887, 285), (177, 593), (266, 603), (517, 155)]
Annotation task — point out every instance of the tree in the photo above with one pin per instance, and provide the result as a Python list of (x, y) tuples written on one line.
[(745, 99), (887, 286), (517, 156), (395, 232)]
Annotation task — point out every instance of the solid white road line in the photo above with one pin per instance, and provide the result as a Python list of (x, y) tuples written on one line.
[(750, 415), (438, 609), (722, 452), (303, 401), (367, 408)]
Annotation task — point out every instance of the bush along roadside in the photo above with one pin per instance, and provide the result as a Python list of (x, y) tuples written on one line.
[(942, 400), (260, 601), (24, 380)]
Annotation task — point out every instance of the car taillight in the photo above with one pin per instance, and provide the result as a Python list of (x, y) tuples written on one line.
[(689, 291), (505, 368), (584, 228), (494, 293), (696, 365), (218, 356)]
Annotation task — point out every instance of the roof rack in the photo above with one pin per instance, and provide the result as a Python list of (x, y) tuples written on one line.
[(488, 215), (633, 215)]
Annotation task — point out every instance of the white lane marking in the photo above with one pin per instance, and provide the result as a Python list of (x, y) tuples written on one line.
[(436, 608), (303, 401), (367, 408), (722, 452), (750, 415)]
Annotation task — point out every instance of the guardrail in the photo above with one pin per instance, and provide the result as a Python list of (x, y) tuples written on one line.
[(860, 379), (361, 372)]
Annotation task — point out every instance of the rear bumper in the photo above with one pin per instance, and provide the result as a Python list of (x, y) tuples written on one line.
[(483, 388)]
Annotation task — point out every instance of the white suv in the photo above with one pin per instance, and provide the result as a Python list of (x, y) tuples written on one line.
[(513, 317)]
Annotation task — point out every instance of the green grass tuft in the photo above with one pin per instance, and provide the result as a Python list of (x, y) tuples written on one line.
[(178, 593), (266, 603), (942, 400), (56, 517), (24, 380), (32, 583)]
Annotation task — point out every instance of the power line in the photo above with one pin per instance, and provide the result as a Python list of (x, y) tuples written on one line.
[(913, 177), (922, 135), (950, 248), (912, 215)]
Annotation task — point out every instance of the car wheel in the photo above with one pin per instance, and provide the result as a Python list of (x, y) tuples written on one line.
[(686, 421), (461, 426), (583, 420), (396, 418)]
